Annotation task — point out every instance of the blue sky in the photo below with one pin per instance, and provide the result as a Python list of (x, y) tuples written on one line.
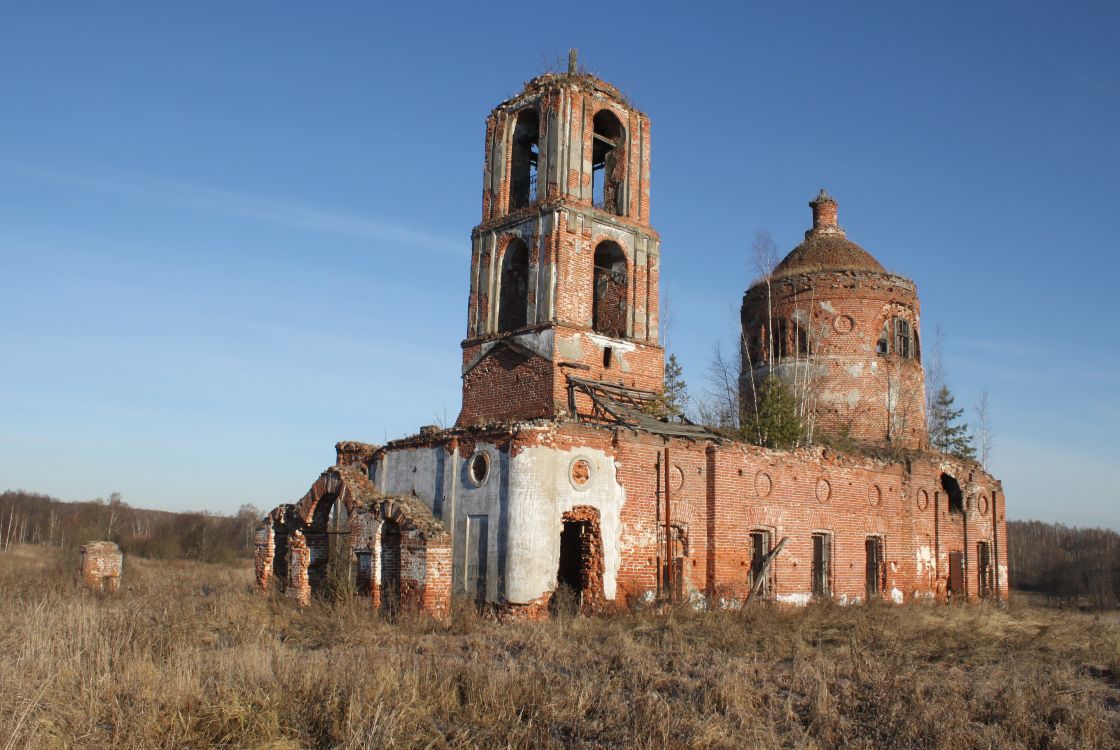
[(234, 233)]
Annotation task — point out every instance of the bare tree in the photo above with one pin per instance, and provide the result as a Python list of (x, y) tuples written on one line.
[(935, 378), (114, 509), (764, 254), (985, 436), (720, 405)]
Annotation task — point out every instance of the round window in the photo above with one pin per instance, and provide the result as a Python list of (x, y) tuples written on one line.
[(580, 472), (479, 467), (824, 490)]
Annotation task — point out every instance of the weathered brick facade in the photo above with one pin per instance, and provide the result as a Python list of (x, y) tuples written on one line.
[(100, 566), (557, 473)]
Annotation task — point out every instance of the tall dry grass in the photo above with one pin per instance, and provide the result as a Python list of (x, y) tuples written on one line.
[(185, 656)]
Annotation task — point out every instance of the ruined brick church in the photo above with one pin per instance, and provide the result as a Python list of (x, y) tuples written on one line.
[(558, 474)]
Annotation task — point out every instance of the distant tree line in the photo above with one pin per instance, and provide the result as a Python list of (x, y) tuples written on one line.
[(1068, 565), (30, 518)]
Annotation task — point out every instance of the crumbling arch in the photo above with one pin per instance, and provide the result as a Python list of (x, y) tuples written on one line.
[(379, 531), (524, 159), (953, 490), (513, 294), (608, 163), (610, 290)]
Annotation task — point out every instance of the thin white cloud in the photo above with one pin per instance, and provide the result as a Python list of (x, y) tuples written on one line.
[(241, 205)]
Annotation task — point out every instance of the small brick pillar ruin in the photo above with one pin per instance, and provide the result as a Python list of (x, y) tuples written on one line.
[(101, 566)]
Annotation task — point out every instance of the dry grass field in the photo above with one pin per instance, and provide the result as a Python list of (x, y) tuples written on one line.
[(185, 656)]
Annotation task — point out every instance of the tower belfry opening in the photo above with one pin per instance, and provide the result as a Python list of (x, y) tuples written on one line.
[(607, 163), (524, 160)]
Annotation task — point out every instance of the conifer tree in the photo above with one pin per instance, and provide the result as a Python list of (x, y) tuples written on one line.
[(775, 423), (946, 434), (674, 399)]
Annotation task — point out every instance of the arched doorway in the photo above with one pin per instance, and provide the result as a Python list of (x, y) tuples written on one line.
[(328, 543)]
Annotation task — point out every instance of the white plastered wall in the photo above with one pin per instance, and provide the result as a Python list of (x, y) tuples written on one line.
[(540, 492), (536, 489)]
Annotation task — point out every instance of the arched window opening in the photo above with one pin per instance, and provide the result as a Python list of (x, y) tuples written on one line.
[(898, 337), (803, 343), (523, 161), (956, 498), (780, 345), (903, 344), (608, 163), (513, 295), (608, 309), (754, 348)]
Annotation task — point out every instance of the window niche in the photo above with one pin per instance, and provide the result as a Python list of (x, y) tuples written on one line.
[(513, 295), (610, 291)]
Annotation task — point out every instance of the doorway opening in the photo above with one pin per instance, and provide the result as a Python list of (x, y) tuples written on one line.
[(984, 569), (579, 575), (822, 566), (956, 576), (759, 578), (876, 567)]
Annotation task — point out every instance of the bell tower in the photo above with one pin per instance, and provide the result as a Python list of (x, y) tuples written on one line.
[(564, 265)]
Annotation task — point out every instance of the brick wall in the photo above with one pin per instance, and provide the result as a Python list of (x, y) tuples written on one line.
[(100, 565), (719, 494)]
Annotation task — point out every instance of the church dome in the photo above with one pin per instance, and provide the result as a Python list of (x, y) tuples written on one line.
[(826, 248)]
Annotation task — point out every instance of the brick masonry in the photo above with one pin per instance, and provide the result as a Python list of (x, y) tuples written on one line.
[(101, 564)]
